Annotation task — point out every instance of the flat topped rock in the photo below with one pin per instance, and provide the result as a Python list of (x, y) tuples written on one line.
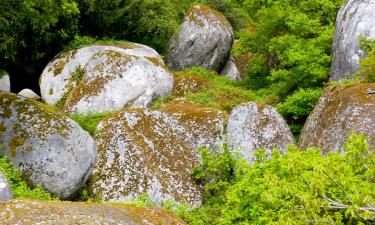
[(339, 112), (204, 39), (63, 213)]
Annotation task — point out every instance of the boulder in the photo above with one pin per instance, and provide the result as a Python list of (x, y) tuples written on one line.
[(252, 126), (354, 19), (55, 212), (189, 82), (103, 78), (230, 69), (29, 94), (339, 112), (204, 39), (50, 150), (4, 83), (143, 151), (5, 192)]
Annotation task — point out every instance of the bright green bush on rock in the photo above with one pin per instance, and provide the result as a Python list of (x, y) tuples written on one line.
[(89, 122)]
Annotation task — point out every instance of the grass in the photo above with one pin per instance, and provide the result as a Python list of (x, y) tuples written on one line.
[(90, 121)]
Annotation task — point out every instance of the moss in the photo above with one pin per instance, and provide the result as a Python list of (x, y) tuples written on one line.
[(199, 12), (14, 143), (50, 92), (189, 82)]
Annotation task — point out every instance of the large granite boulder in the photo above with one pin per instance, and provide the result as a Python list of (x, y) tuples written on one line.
[(354, 19), (252, 126), (51, 150), (5, 192), (153, 152), (103, 78), (204, 39), (4, 82), (340, 111), (64, 213), (230, 69)]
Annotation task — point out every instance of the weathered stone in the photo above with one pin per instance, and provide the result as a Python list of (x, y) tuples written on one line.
[(354, 19), (113, 80), (253, 126), (340, 111), (153, 152), (5, 83), (189, 82), (204, 39), (68, 69), (51, 150), (230, 69), (29, 94), (63, 213), (5, 192)]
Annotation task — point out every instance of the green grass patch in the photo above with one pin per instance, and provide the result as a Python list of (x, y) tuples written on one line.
[(90, 121)]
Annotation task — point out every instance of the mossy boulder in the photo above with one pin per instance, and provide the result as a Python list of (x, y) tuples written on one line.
[(103, 78), (55, 212), (339, 112), (153, 152), (5, 192), (204, 39), (50, 150), (4, 82), (253, 126), (189, 82), (29, 94), (230, 69), (355, 19)]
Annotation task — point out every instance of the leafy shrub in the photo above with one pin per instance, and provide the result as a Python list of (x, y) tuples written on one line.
[(299, 187), (19, 187), (298, 106), (367, 71)]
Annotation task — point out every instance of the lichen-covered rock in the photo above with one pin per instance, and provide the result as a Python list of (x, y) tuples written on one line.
[(63, 213), (4, 83), (230, 70), (204, 39), (5, 192), (51, 150), (340, 111), (354, 19), (253, 126), (113, 75), (153, 152), (188, 82), (29, 94)]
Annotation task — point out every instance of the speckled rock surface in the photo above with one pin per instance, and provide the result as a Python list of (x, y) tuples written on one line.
[(5, 83), (51, 150), (5, 192), (340, 111), (152, 152), (187, 82), (28, 212), (252, 126), (355, 18), (205, 38), (29, 94), (230, 70), (94, 69)]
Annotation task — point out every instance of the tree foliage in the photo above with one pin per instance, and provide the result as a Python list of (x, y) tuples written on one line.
[(299, 187)]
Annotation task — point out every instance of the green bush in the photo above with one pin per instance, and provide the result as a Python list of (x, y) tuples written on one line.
[(298, 187), (90, 121), (19, 187), (367, 71), (298, 106)]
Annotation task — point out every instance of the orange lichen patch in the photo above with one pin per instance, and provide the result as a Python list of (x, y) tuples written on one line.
[(127, 45), (189, 82), (340, 111), (157, 62), (63, 59), (200, 13), (56, 212)]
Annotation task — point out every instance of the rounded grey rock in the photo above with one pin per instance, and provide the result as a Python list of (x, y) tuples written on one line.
[(5, 192)]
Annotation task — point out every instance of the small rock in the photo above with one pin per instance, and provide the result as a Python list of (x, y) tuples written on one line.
[(5, 83), (253, 126), (29, 94), (230, 70), (5, 192)]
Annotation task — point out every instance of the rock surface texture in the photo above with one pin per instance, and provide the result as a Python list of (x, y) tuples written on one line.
[(230, 70), (355, 18), (187, 82), (152, 152), (29, 94), (102, 78), (5, 83), (5, 192), (205, 38), (51, 150), (63, 213), (252, 126), (340, 111)]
